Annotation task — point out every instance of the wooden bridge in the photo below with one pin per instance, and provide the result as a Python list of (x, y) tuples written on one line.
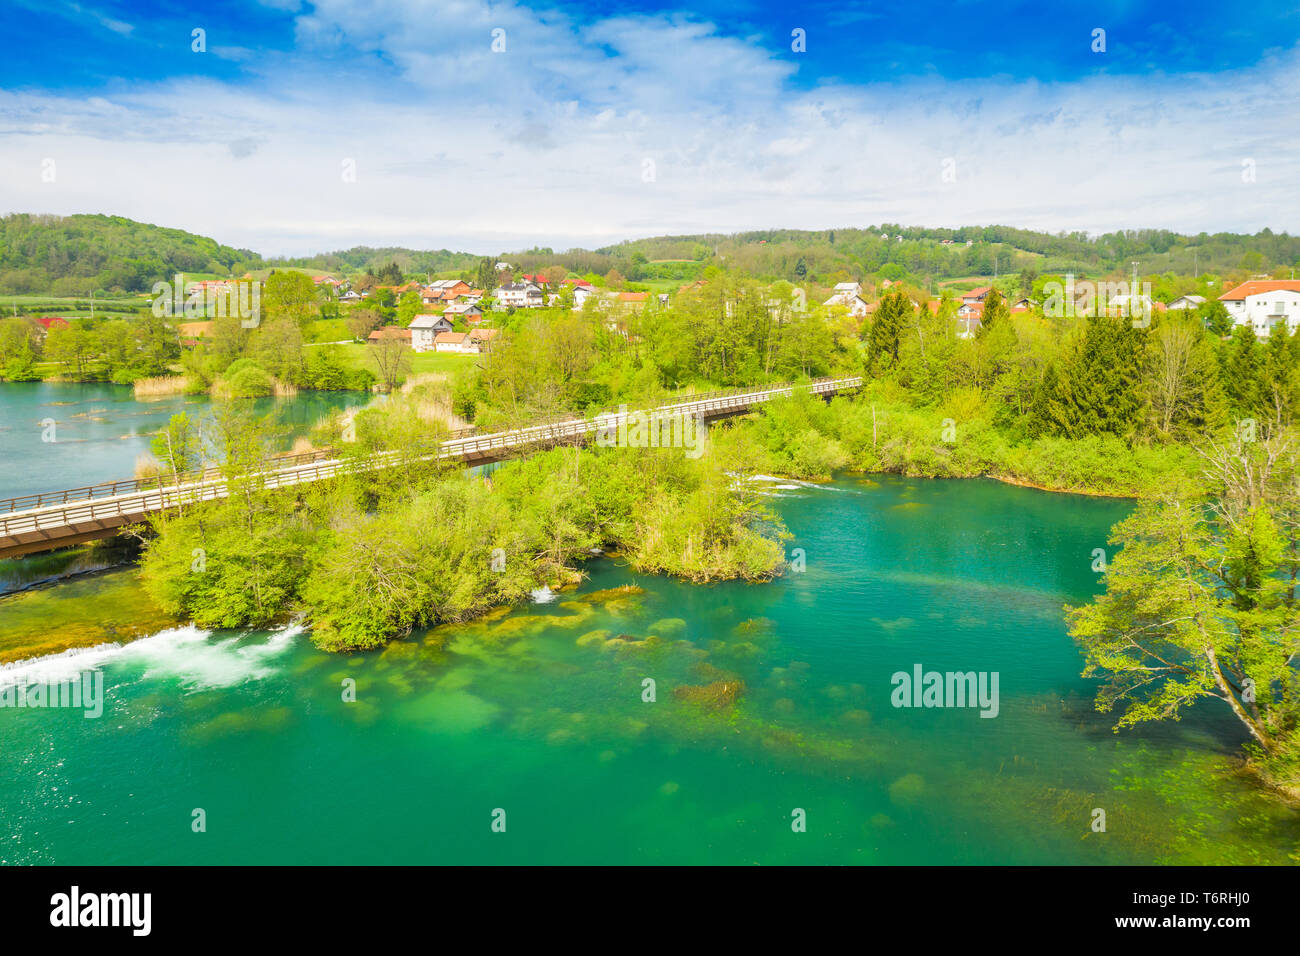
[(33, 523)]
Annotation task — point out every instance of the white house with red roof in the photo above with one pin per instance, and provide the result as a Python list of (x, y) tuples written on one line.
[(454, 342), (1264, 303)]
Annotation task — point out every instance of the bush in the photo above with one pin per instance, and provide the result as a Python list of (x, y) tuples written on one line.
[(246, 379)]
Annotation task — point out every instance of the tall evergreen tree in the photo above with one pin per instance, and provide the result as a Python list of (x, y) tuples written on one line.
[(886, 331), (1105, 378), (1052, 412), (1241, 363), (996, 311)]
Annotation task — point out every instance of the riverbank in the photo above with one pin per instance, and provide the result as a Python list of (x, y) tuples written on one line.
[(803, 437)]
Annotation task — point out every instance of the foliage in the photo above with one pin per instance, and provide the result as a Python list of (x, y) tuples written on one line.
[(1201, 601)]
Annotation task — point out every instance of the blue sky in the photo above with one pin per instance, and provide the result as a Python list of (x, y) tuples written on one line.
[(303, 127)]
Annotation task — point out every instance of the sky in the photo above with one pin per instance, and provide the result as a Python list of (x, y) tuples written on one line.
[(292, 128)]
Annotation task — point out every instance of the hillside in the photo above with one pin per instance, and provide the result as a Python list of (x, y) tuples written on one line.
[(361, 258), (70, 255)]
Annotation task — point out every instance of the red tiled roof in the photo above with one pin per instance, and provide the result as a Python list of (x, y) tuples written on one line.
[(981, 290), (632, 296), (1257, 286), (47, 320), (389, 332)]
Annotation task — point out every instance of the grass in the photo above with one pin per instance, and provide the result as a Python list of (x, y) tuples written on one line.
[(326, 330), (447, 363), (74, 306)]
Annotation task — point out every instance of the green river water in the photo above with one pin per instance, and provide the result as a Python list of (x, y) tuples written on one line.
[(539, 713)]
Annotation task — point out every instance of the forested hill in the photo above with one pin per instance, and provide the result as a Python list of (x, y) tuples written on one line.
[(73, 254), (362, 258), (944, 253), (70, 255), (836, 254)]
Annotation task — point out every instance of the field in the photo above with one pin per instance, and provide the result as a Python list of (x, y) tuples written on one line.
[(422, 363), (72, 307)]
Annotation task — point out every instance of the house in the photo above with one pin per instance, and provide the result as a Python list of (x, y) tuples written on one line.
[(482, 338), (520, 295), (202, 287), (631, 300), (581, 293), (46, 322), (423, 329), (444, 290), (389, 332), (1262, 304), (469, 311), (970, 316), (1188, 302), (849, 295), (1136, 306), (454, 342), (352, 295), (976, 295), (1023, 304)]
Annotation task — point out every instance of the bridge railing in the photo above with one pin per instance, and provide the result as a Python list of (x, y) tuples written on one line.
[(161, 480), (138, 497)]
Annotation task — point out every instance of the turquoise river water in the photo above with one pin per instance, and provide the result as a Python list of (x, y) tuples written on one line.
[(537, 718)]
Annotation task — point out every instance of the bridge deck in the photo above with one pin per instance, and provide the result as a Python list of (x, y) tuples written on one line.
[(33, 523)]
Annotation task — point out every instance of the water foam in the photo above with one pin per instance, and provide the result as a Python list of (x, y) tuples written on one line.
[(187, 654)]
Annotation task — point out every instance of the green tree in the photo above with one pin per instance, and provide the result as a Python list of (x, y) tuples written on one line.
[(1242, 364), (886, 329), (289, 295), (486, 275), (1214, 314), (996, 311), (1200, 601), (408, 307), (1105, 379), (72, 345)]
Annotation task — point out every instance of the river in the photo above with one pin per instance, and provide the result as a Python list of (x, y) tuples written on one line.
[(56, 435), (537, 720)]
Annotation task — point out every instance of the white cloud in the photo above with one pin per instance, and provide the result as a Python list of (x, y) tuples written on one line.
[(460, 147)]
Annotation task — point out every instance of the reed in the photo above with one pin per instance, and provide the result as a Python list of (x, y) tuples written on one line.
[(161, 386)]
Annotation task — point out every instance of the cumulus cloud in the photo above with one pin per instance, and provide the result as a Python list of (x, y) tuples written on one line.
[(454, 145)]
